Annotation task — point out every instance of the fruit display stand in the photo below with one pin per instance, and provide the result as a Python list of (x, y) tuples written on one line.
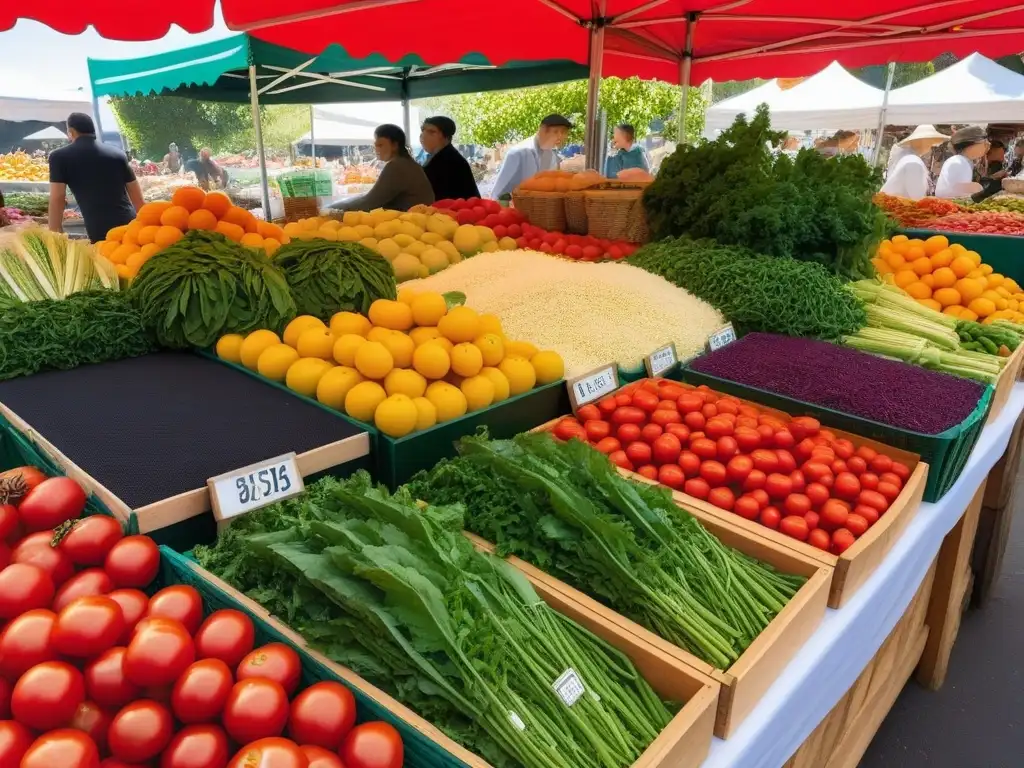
[(396, 460), (1002, 252), (145, 434)]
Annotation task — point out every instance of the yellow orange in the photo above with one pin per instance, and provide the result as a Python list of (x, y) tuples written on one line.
[(217, 203), (942, 258), (252, 240), (928, 280), (189, 198), (921, 265), (969, 288), (894, 260), (202, 219), (905, 277), (944, 277), (982, 307), (229, 230), (147, 235), (918, 290), (149, 214), (900, 238), (175, 216), (961, 266), (946, 296), (935, 243), (166, 236)]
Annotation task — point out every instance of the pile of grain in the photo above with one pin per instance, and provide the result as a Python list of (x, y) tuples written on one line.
[(590, 313)]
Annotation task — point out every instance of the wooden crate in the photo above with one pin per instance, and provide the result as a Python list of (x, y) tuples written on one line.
[(1004, 384), (746, 681), (684, 743), (855, 565)]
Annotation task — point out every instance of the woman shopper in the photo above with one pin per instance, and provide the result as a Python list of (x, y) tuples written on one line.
[(956, 179), (629, 154), (909, 177), (401, 185)]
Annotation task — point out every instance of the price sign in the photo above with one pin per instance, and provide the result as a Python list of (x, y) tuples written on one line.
[(250, 488), (569, 687), (660, 360), (721, 337), (593, 386)]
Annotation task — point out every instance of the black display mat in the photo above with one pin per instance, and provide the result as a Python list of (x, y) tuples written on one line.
[(151, 427)]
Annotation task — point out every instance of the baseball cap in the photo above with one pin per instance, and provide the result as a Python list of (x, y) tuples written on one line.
[(556, 121)]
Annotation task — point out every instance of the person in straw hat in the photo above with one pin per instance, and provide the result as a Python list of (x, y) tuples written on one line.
[(909, 177)]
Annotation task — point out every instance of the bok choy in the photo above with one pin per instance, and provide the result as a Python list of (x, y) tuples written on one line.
[(38, 264)]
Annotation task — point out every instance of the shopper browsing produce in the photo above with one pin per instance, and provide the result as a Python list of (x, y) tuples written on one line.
[(450, 176), (629, 154), (207, 170), (909, 177), (956, 179), (401, 185), (536, 154), (99, 177)]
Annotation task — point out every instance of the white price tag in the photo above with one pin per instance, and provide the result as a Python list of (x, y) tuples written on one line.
[(250, 488), (594, 385), (569, 687), (721, 337), (661, 360), (517, 721)]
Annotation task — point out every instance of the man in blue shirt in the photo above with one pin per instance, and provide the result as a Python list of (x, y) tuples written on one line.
[(629, 155), (532, 156)]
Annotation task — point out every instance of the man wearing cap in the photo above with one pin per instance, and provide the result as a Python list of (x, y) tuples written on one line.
[(956, 179), (448, 172), (909, 176), (532, 156), (99, 177)]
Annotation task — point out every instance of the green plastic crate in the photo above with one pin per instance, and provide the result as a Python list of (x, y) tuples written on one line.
[(1004, 253), (396, 460), (946, 453)]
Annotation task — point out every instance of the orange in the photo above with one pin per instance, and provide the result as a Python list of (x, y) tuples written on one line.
[(150, 250), (935, 243), (905, 277), (267, 229), (252, 240), (928, 280), (175, 216), (967, 314), (900, 246), (944, 277), (150, 213), (270, 245), (969, 289), (918, 290), (123, 271), (994, 281), (894, 259), (229, 230), (942, 258), (189, 198), (915, 252), (121, 254), (982, 307), (976, 273), (147, 234), (953, 310), (166, 236), (986, 269), (135, 261), (202, 219), (931, 304), (947, 296), (900, 238), (117, 233), (957, 249), (241, 217), (107, 247), (217, 203), (920, 265), (975, 257), (961, 265), (129, 238)]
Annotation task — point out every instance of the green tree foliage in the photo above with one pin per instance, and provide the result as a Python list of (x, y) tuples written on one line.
[(494, 118), (905, 74)]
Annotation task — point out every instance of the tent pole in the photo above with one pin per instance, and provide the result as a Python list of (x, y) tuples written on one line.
[(684, 77), (591, 141), (312, 136), (254, 100), (881, 113)]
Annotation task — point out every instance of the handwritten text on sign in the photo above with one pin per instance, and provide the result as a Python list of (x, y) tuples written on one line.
[(721, 337), (593, 386), (661, 360), (255, 486)]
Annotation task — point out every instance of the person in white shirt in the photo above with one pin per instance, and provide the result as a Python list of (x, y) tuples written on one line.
[(956, 179), (532, 156), (909, 176)]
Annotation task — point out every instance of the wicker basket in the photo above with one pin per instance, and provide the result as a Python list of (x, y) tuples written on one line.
[(296, 208), (617, 214), (542, 209), (576, 213)]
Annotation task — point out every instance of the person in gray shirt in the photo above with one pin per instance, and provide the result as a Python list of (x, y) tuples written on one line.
[(401, 184)]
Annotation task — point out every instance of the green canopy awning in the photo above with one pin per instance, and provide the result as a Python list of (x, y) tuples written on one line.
[(219, 71)]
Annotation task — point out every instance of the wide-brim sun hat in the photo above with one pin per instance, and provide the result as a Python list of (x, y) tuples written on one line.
[(923, 132)]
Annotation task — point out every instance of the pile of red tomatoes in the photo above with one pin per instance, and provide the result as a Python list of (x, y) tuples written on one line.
[(94, 673), (786, 473)]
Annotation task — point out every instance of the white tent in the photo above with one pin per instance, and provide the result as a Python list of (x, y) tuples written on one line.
[(833, 98), (974, 90), (47, 134), (352, 125), (20, 101)]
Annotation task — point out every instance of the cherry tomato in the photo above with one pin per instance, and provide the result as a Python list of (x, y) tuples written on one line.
[(36, 549), (747, 507), (90, 539), (866, 452), (256, 708), (607, 405), (669, 390), (25, 642), (666, 449), (51, 503), (869, 481), (88, 626), (323, 714), (739, 468), (767, 434), (23, 588), (797, 504), (91, 581), (857, 465), (747, 439), (321, 758), (645, 401), (765, 460), (842, 540), (638, 453), (843, 449), (709, 410), (180, 602), (159, 651), (66, 748), (690, 402), (568, 428), (113, 762), (47, 696), (133, 562), (629, 433), (273, 753), (892, 478), (608, 445), (15, 739), (624, 398), (716, 428), (868, 513), (820, 539), (667, 405), (649, 471), (787, 464), (901, 470), (704, 448), (620, 459), (227, 635), (802, 450), (761, 497), (690, 463), (714, 472), (833, 514), (588, 412), (134, 605), (812, 519), (727, 448), (672, 476), (10, 523), (814, 471), (838, 466), (728, 405), (372, 745), (807, 426), (783, 439), (756, 479), (770, 517), (817, 493), (200, 693), (694, 420), (597, 429), (197, 746), (873, 499), (723, 498), (665, 417), (847, 486), (795, 526), (94, 721), (796, 477), (881, 463), (777, 485), (105, 682), (627, 414), (696, 487), (140, 731), (889, 491), (856, 525), (6, 689)]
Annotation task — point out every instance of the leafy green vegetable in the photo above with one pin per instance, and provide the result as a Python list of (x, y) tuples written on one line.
[(564, 508), (86, 327), (757, 293), (326, 277), (29, 203), (398, 594), (38, 264), (735, 190), (204, 286)]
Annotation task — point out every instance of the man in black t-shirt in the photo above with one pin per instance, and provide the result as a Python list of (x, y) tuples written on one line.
[(99, 177)]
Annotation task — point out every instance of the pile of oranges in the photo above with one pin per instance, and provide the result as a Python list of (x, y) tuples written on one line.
[(162, 223), (949, 279)]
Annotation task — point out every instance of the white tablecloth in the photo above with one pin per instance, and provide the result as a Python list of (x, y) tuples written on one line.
[(835, 655)]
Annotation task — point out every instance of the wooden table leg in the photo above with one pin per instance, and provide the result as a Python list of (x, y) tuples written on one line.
[(953, 577)]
